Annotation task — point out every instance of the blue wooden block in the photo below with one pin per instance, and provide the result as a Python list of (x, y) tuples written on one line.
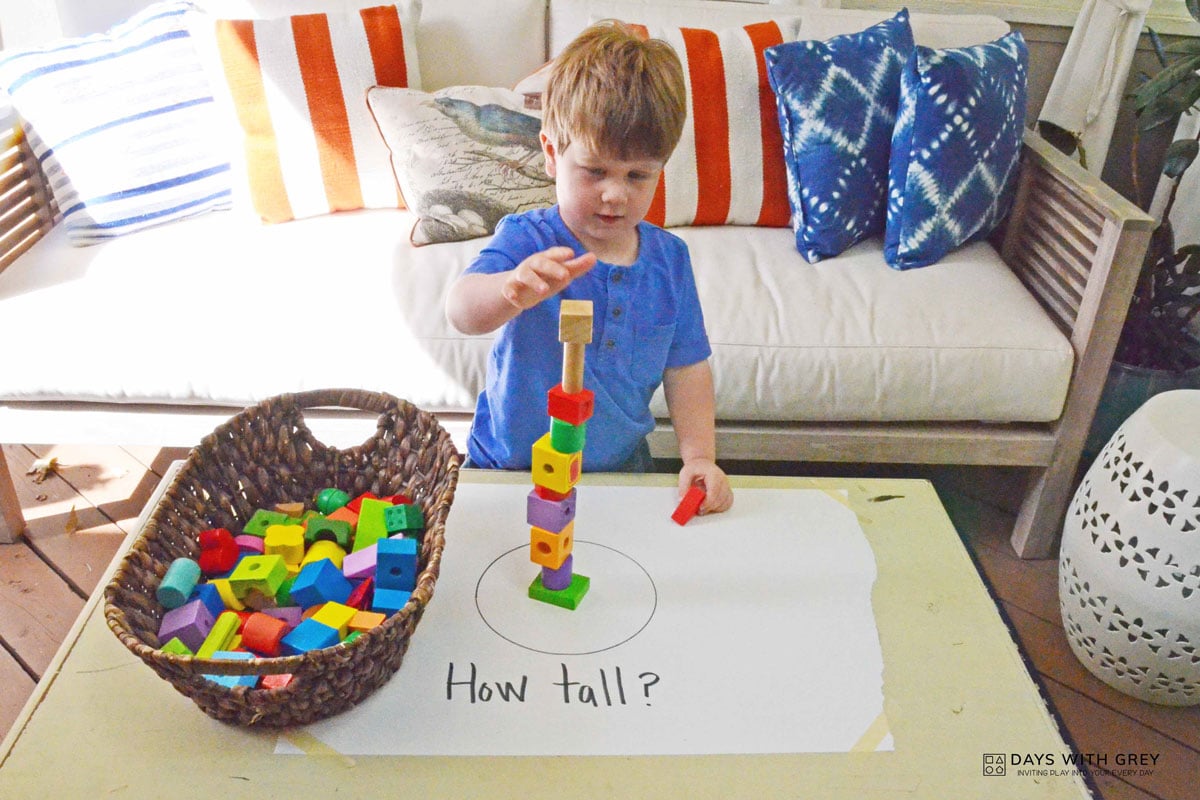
[(233, 680), (396, 564), (389, 601), (207, 593), (177, 585), (308, 635), (320, 582)]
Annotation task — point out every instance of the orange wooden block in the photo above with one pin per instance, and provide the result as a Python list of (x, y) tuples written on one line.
[(363, 621), (551, 549)]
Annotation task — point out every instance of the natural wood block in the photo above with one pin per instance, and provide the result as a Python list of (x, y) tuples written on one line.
[(575, 321)]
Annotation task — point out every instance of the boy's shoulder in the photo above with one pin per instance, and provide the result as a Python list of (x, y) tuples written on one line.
[(660, 238)]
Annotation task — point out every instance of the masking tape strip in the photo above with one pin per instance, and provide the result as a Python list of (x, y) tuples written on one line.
[(312, 746), (876, 732)]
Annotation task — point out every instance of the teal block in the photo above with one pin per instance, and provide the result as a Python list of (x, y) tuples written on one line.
[(565, 437)]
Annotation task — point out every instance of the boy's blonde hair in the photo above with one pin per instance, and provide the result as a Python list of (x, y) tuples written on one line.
[(618, 93)]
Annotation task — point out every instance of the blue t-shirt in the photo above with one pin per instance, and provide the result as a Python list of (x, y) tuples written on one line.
[(646, 318)]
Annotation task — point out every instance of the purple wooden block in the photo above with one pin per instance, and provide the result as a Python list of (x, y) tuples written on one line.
[(191, 623), (292, 615), (558, 579), (550, 515), (361, 563)]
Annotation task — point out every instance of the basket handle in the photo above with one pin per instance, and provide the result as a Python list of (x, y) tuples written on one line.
[(387, 406)]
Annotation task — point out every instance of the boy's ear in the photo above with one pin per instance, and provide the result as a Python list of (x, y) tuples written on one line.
[(550, 153)]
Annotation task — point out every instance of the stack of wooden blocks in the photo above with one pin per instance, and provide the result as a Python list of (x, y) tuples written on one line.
[(557, 465)]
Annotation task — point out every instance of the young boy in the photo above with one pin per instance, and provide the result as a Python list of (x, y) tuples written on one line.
[(613, 111)]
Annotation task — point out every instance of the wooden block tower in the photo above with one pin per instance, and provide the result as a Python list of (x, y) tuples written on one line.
[(557, 465)]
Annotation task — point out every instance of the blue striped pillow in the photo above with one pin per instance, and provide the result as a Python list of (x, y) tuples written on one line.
[(124, 125)]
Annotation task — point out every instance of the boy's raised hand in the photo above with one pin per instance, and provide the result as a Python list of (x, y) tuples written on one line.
[(544, 274)]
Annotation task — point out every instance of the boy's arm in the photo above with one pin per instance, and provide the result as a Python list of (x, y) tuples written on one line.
[(689, 393), (481, 302)]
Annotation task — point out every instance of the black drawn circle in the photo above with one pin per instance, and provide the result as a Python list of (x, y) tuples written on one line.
[(527, 646)]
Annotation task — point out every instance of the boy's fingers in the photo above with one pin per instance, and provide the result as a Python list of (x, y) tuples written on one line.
[(580, 265)]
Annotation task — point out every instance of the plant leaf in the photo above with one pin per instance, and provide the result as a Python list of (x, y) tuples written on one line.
[(1193, 7), (1158, 46), (1179, 156)]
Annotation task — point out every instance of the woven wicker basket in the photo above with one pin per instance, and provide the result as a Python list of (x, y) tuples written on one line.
[(264, 455)]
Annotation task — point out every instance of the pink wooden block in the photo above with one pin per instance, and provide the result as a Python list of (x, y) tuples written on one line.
[(249, 544)]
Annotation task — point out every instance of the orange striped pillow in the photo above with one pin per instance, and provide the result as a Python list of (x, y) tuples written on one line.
[(728, 168), (298, 86)]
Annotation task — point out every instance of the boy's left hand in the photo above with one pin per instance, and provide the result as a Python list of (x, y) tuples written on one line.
[(718, 496)]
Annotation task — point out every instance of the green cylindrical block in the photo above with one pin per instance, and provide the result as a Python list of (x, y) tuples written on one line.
[(565, 437), (179, 582), (330, 500)]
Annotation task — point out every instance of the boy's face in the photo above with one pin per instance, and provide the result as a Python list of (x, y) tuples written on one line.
[(602, 198)]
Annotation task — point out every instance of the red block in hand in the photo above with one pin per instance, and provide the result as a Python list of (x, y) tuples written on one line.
[(689, 505)]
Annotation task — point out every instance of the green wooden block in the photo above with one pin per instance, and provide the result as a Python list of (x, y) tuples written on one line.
[(283, 597), (265, 573), (565, 437), (371, 525), (568, 598), (263, 519), (319, 527), (404, 517), (177, 647)]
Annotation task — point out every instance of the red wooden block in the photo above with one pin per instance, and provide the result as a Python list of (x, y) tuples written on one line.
[(397, 499), (275, 681), (689, 505), (573, 408), (262, 633), (218, 551), (360, 597), (356, 503), (550, 494), (217, 560)]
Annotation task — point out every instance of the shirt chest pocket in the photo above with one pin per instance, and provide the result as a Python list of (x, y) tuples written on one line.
[(651, 345)]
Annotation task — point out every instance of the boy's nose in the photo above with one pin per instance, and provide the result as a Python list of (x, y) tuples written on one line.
[(612, 192)]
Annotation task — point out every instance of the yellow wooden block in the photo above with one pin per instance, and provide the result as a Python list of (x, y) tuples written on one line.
[(286, 541), (363, 621), (556, 471), (336, 616), (575, 321), (224, 629), (323, 548), (551, 549), (228, 596)]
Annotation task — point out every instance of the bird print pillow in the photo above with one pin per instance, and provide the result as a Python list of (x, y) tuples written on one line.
[(464, 157)]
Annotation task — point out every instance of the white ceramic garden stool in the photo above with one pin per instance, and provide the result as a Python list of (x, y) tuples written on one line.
[(1129, 568)]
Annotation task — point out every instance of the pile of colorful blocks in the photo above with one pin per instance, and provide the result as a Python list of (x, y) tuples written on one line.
[(557, 466), (292, 580)]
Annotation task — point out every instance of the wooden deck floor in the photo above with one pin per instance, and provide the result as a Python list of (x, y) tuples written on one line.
[(79, 514)]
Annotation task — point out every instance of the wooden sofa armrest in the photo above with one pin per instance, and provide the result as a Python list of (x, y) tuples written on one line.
[(26, 204), (1078, 246)]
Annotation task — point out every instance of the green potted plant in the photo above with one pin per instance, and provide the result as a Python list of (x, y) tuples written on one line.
[(1158, 349)]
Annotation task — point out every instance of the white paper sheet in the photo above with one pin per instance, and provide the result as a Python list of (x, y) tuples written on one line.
[(745, 632)]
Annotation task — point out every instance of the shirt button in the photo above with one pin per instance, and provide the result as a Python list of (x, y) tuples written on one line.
[(617, 312), (610, 344), (616, 276)]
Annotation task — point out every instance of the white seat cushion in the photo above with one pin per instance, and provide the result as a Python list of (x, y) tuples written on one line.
[(222, 310)]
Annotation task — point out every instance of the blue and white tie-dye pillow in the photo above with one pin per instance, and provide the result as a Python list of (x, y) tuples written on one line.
[(123, 124), (837, 104), (956, 148)]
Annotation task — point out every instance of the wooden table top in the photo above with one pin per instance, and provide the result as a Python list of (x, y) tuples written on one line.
[(956, 694)]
